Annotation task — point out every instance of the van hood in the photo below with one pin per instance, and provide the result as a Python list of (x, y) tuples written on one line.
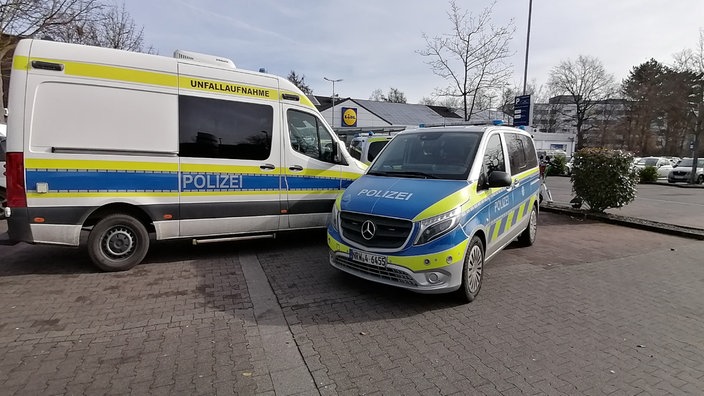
[(405, 198)]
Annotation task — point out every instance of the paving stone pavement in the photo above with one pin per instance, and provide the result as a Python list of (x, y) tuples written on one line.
[(592, 308)]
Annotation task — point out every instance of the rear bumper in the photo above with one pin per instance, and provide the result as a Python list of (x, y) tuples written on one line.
[(18, 227)]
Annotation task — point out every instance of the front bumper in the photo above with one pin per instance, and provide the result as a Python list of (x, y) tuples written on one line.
[(429, 272)]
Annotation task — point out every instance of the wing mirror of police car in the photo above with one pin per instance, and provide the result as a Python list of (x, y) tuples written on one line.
[(498, 179)]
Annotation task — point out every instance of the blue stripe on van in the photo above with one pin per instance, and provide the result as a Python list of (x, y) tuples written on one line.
[(82, 180)]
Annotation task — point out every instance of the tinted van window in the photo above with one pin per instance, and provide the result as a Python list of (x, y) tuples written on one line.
[(521, 152), (213, 128)]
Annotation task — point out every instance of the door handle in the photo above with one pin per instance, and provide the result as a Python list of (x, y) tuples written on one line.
[(267, 167), (295, 168)]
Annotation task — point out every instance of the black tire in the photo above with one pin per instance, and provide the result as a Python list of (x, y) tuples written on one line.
[(700, 179), (472, 271), (527, 237), (118, 242)]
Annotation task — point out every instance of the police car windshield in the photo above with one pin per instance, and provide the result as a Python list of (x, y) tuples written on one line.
[(433, 154)]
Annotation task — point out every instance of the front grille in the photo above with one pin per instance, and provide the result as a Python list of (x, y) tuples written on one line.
[(679, 173), (385, 273), (390, 233)]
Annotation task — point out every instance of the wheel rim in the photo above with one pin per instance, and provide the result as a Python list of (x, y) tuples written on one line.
[(533, 225), (119, 242), (475, 264)]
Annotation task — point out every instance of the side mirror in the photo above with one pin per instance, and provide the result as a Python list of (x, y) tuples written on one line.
[(499, 179)]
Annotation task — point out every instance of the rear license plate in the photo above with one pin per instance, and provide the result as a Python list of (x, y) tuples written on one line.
[(368, 258)]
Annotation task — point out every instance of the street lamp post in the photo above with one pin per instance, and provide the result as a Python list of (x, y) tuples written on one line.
[(333, 99), (525, 68)]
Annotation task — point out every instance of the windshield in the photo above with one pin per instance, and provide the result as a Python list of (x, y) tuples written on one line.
[(431, 155), (648, 161)]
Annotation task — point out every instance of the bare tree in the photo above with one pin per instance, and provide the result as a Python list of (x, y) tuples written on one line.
[(109, 26), (300, 82), (394, 96), (586, 82), (377, 95), (37, 18), (473, 57), (693, 61)]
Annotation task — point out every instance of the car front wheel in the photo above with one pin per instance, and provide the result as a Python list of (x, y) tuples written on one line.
[(472, 271)]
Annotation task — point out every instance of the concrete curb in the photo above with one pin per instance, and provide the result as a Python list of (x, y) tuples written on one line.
[(648, 225)]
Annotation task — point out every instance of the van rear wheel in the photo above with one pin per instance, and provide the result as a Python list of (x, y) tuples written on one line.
[(527, 237), (472, 271), (118, 242)]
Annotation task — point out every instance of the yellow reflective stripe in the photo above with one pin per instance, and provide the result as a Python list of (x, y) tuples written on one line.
[(437, 260), (106, 194), (227, 87), (509, 221), (497, 227), (165, 79), (42, 163), (211, 168), (20, 62), (521, 209), (313, 172), (234, 192), (414, 263), (318, 192), (91, 70), (446, 204), (350, 175)]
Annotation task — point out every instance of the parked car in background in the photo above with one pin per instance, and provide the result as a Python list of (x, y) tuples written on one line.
[(662, 164), (568, 166), (682, 171)]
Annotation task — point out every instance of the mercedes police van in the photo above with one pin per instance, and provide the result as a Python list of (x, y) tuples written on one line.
[(435, 205), (129, 146)]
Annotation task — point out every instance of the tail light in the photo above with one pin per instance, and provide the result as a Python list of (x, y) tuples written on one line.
[(14, 171)]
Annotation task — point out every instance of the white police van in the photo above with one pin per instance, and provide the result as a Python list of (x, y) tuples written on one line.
[(435, 205), (127, 146)]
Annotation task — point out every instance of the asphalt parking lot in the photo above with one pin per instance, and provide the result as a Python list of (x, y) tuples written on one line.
[(592, 308)]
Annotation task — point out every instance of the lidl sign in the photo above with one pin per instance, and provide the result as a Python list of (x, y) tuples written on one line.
[(349, 117)]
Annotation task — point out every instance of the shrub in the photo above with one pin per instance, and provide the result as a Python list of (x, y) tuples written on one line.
[(603, 178), (649, 174), (557, 166)]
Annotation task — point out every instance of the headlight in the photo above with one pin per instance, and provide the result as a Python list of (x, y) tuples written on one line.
[(335, 217), (437, 226)]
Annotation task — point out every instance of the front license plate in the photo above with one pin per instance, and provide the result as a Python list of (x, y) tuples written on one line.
[(368, 258)]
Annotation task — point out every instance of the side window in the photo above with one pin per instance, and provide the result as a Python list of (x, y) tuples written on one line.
[(213, 128), (356, 150), (309, 136), (516, 153), (375, 148), (494, 155), (529, 151)]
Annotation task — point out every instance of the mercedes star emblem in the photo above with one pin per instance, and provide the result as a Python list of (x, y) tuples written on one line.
[(368, 230)]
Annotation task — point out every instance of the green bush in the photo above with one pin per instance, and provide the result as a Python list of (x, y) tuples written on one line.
[(603, 178), (649, 174), (557, 166)]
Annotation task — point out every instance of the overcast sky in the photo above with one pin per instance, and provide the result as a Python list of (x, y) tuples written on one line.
[(373, 44)]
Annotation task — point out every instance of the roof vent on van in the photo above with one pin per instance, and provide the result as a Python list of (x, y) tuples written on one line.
[(204, 58)]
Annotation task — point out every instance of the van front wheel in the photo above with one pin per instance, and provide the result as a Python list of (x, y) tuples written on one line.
[(472, 271), (118, 242)]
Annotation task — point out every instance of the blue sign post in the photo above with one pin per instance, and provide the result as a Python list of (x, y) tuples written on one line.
[(522, 112)]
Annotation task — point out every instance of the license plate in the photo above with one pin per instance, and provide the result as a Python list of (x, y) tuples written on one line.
[(368, 258)]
